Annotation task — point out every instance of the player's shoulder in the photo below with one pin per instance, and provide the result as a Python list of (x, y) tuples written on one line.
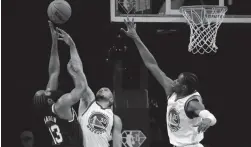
[(196, 96), (117, 123), (170, 95), (116, 117)]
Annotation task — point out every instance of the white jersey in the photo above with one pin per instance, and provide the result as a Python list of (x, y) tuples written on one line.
[(96, 124), (180, 128)]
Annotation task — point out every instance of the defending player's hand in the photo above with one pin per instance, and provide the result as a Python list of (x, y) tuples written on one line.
[(65, 37), (131, 28), (203, 125), (54, 33)]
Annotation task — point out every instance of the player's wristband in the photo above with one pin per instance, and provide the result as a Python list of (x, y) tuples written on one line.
[(207, 114)]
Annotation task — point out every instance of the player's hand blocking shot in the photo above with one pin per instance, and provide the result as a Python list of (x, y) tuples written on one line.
[(65, 37)]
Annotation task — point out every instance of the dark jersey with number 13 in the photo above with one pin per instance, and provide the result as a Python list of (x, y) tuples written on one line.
[(64, 133)]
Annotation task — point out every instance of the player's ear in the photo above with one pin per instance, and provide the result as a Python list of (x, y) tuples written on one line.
[(111, 100), (50, 101), (184, 87)]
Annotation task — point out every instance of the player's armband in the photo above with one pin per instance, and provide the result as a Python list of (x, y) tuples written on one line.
[(207, 114)]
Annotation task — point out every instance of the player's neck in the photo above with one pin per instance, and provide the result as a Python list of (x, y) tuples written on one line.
[(180, 95), (104, 105)]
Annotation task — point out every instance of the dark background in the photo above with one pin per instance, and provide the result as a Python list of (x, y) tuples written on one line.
[(26, 43)]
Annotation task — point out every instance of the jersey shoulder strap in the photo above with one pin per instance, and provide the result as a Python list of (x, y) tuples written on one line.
[(170, 95)]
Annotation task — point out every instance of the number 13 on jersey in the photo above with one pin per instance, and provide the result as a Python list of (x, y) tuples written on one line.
[(56, 134)]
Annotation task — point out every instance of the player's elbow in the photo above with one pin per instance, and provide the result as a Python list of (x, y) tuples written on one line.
[(81, 90), (214, 121)]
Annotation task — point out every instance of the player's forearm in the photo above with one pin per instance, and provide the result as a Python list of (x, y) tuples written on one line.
[(54, 64), (117, 140), (74, 53), (145, 54), (80, 81), (117, 143), (76, 68), (79, 90)]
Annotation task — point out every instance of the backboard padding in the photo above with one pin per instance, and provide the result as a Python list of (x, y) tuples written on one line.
[(167, 10)]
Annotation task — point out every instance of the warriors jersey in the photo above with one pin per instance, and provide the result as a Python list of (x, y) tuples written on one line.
[(96, 124), (179, 126), (64, 133)]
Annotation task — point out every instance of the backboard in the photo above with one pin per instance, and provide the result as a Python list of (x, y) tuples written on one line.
[(239, 11)]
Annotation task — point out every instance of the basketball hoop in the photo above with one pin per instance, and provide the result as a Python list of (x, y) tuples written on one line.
[(204, 21)]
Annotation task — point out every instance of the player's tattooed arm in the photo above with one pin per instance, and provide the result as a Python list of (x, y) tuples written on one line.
[(116, 134), (148, 58), (54, 64)]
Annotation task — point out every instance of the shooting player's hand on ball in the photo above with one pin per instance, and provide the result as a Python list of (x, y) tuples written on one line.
[(54, 33)]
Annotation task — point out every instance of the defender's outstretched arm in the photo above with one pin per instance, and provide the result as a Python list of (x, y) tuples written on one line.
[(148, 58)]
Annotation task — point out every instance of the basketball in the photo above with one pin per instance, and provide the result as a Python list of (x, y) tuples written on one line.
[(59, 11)]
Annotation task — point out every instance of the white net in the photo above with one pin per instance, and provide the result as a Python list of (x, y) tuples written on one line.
[(204, 23)]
